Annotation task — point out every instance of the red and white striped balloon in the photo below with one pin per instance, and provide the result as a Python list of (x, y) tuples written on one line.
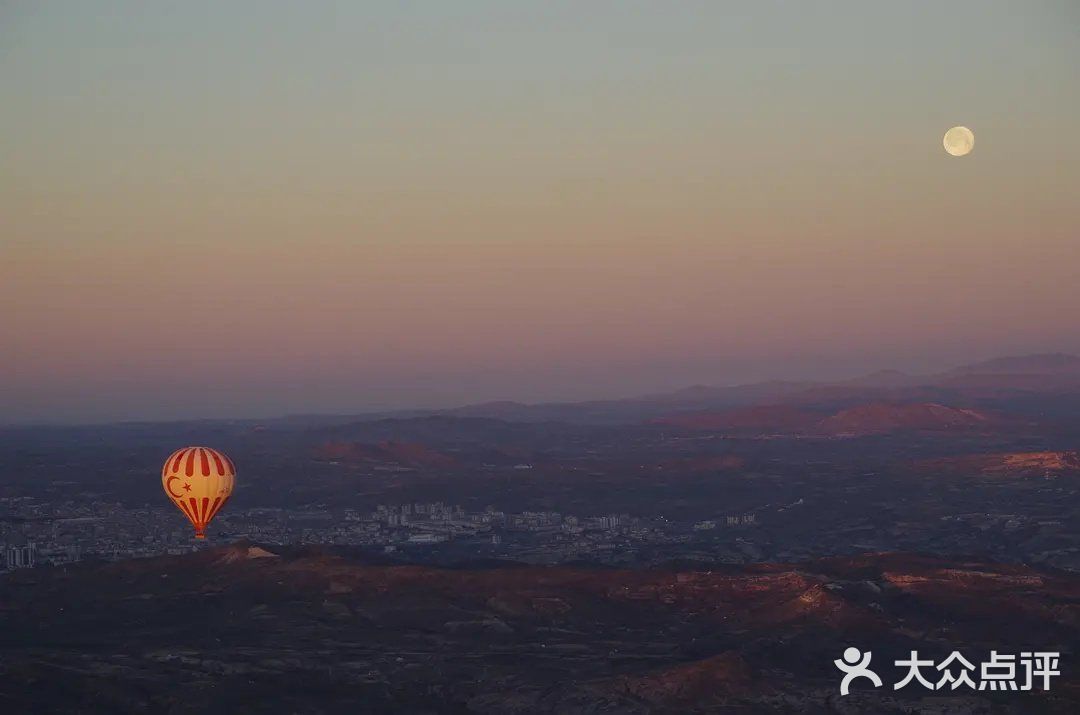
[(199, 481)]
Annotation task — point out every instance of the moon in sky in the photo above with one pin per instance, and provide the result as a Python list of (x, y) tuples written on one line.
[(959, 141)]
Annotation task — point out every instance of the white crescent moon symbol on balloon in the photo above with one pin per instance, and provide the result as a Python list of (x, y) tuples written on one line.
[(168, 487)]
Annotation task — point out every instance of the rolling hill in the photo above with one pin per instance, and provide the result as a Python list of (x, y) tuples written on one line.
[(246, 629)]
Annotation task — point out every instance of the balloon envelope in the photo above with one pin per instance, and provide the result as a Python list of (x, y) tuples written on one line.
[(198, 480)]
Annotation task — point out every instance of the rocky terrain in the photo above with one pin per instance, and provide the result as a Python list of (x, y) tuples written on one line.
[(1009, 464), (248, 628)]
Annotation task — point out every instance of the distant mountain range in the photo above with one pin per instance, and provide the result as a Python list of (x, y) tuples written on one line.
[(885, 399), (870, 418)]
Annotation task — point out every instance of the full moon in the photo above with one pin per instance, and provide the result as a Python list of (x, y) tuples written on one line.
[(959, 141)]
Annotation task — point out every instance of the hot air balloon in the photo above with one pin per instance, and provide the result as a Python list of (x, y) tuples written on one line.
[(199, 481)]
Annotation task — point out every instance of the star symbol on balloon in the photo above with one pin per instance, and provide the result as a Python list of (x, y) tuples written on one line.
[(187, 487)]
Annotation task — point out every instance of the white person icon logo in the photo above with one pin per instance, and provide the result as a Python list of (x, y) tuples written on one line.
[(855, 665)]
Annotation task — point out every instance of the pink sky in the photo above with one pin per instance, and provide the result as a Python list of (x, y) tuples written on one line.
[(506, 223)]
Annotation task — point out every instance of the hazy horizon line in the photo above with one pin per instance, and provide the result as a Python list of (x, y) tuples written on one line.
[(421, 410)]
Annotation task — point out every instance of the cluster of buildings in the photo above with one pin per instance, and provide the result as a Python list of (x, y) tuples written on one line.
[(735, 520), (20, 557), (35, 532)]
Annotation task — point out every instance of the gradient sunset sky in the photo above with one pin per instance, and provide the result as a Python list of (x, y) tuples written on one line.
[(243, 209)]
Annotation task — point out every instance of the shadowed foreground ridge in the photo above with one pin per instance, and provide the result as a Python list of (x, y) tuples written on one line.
[(248, 628)]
